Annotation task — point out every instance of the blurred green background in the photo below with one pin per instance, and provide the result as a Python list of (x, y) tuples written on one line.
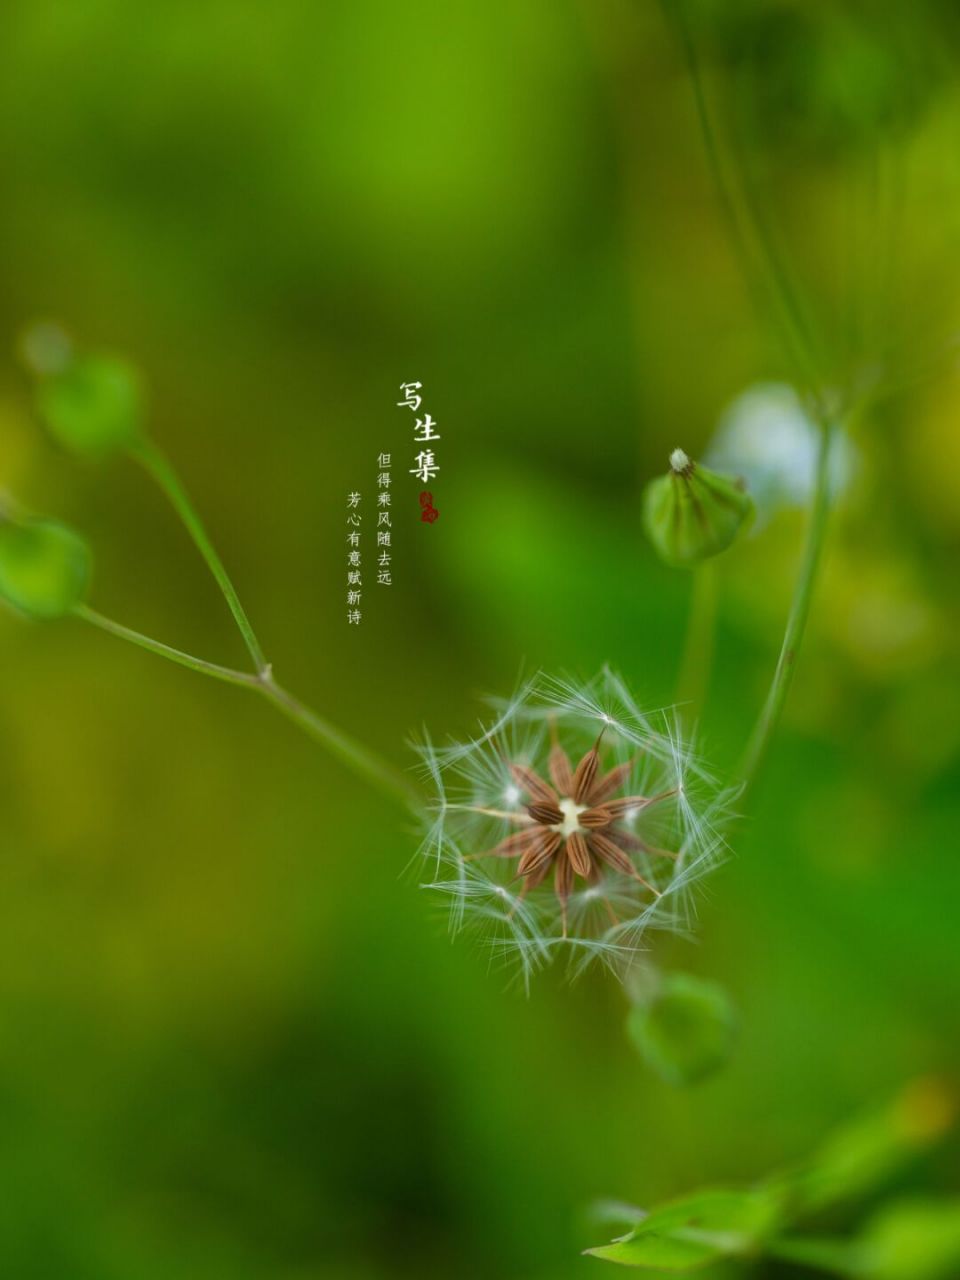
[(235, 1039)]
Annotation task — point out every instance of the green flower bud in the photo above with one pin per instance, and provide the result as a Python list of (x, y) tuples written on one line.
[(691, 513), (44, 567), (685, 1031), (93, 406)]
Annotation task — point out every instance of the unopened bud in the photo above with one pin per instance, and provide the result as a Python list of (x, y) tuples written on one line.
[(93, 405), (44, 567), (692, 513)]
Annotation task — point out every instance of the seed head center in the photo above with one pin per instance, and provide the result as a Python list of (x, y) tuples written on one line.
[(571, 812)]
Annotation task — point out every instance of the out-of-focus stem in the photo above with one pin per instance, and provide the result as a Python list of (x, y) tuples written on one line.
[(697, 662), (752, 238), (797, 619), (756, 244), (361, 760)]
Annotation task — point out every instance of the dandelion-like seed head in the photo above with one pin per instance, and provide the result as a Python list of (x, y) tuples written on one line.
[(571, 825)]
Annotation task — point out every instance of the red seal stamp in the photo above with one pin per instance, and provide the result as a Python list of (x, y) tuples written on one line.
[(429, 512)]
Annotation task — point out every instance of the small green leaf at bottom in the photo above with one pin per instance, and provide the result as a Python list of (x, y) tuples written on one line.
[(698, 1230)]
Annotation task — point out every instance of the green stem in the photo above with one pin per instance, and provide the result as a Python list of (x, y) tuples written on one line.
[(797, 619), (740, 212), (363, 762), (357, 757), (744, 219), (213, 669), (695, 667), (162, 471), (838, 1257)]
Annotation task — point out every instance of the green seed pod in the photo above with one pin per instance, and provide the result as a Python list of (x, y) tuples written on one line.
[(44, 567), (93, 406), (691, 513)]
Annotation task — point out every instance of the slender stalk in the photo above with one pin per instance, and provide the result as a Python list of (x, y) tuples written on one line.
[(797, 619), (756, 244), (362, 761), (162, 471), (740, 211), (694, 679), (243, 678)]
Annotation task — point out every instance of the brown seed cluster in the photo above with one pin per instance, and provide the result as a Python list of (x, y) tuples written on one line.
[(575, 826)]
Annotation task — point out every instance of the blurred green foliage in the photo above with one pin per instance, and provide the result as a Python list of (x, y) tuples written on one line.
[(903, 1240), (235, 1040)]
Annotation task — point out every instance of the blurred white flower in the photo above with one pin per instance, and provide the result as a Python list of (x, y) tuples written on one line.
[(766, 437), (572, 823)]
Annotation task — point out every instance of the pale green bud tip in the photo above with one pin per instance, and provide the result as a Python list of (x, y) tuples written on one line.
[(692, 513), (45, 567), (45, 349)]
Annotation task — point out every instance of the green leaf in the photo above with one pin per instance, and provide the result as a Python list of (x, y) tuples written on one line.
[(698, 1230), (913, 1240), (94, 407), (868, 1151), (44, 567), (907, 1241), (685, 1032)]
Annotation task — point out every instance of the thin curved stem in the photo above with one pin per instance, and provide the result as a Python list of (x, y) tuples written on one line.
[(797, 619), (743, 218), (205, 668), (352, 753), (357, 757), (756, 244), (162, 471)]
